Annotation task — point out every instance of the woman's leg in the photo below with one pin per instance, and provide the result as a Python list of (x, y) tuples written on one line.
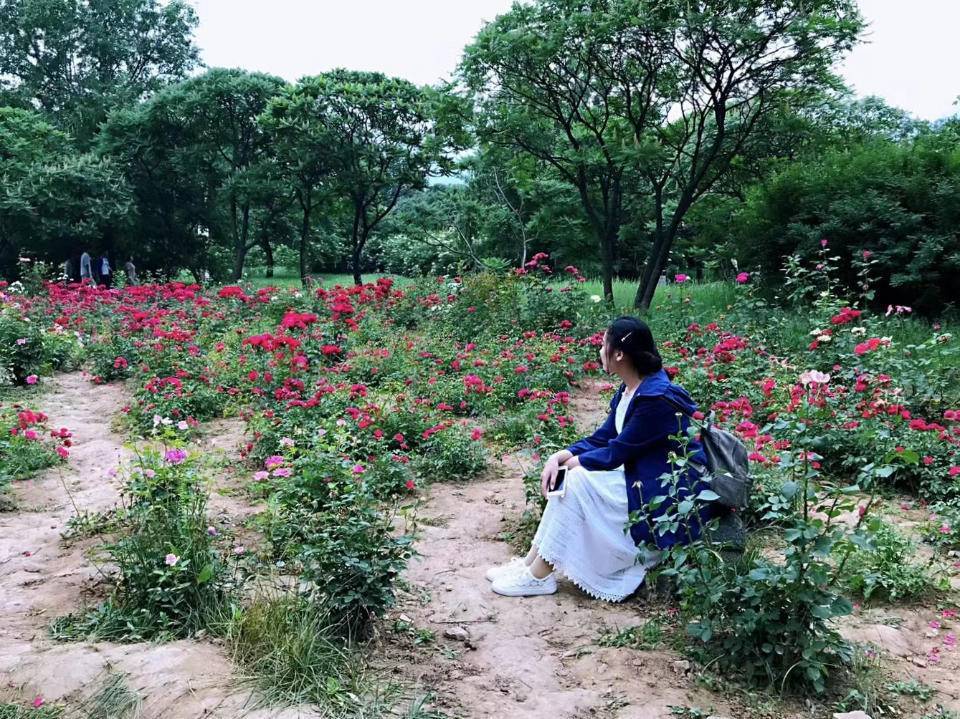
[(538, 567)]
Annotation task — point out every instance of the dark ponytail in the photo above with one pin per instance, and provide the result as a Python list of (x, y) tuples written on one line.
[(632, 337)]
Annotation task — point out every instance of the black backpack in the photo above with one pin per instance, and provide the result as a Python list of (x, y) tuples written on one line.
[(728, 465)]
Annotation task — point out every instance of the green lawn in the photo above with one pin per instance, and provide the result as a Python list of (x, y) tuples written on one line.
[(707, 296), (284, 277), (707, 300)]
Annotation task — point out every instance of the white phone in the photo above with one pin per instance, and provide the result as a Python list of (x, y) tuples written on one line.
[(559, 486)]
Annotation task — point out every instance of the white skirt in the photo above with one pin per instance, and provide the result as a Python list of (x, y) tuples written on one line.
[(583, 535)]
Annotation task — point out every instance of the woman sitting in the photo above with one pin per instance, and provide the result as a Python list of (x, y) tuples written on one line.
[(612, 473)]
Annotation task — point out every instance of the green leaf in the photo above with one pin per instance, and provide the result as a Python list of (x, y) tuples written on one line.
[(205, 575)]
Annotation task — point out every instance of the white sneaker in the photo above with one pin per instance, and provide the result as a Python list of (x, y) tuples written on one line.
[(494, 573), (524, 584)]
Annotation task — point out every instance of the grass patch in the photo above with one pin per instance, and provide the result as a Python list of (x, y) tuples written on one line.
[(884, 570), (115, 700), (290, 277), (15, 711), (288, 648), (652, 634), (913, 688)]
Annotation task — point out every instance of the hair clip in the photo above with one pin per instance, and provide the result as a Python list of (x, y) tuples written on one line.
[(624, 338)]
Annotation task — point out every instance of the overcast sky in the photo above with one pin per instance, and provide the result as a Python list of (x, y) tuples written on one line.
[(908, 58)]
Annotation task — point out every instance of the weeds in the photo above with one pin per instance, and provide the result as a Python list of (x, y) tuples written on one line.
[(115, 700), (291, 649), (884, 568), (649, 635), (913, 688)]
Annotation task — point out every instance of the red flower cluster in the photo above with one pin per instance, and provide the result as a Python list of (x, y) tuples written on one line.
[(845, 316), (870, 345)]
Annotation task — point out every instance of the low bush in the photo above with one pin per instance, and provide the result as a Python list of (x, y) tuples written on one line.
[(942, 525), (112, 356), (328, 528), (884, 567), (770, 619), (21, 347), (27, 445), (451, 453), (170, 580)]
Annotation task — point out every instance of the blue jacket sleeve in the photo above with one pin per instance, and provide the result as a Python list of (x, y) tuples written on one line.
[(650, 423), (600, 438)]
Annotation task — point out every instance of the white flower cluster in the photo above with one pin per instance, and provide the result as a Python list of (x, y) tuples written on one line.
[(812, 376), (167, 422)]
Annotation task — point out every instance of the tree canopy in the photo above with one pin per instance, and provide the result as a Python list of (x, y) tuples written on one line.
[(75, 60), (614, 95), (631, 138)]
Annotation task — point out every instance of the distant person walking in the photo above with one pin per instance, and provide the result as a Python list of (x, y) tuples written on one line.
[(105, 275), (86, 267), (131, 270)]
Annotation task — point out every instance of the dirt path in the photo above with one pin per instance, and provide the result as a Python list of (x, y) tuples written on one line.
[(41, 578), (531, 657), (538, 656)]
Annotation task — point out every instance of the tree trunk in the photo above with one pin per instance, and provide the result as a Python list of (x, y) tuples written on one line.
[(607, 242), (304, 232), (357, 279), (606, 228), (268, 251), (239, 246), (239, 256), (359, 238), (653, 270)]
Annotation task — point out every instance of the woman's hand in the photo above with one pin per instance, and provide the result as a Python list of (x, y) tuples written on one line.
[(548, 478)]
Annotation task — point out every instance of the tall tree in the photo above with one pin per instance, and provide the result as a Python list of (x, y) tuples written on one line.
[(297, 132), (368, 139), (218, 113), (194, 152), (385, 132), (52, 200), (618, 95), (77, 59)]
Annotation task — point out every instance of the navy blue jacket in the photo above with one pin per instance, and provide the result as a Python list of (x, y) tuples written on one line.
[(642, 448)]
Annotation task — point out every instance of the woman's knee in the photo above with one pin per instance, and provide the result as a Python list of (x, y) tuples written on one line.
[(575, 478)]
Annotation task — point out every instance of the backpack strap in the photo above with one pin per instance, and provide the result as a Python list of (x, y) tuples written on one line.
[(701, 468), (684, 411)]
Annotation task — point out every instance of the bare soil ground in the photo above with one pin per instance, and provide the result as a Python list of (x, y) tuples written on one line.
[(538, 656), (493, 656), (41, 577)]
